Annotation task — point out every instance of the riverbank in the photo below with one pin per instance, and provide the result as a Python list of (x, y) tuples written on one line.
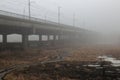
[(69, 56), (10, 58)]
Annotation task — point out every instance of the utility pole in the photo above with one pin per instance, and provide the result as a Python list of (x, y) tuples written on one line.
[(29, 8), (59, 15), (24, 12), (73, 19), (45, 18), (74, 25)]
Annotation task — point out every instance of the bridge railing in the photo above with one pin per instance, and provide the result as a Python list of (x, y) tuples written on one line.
[(20, 16)]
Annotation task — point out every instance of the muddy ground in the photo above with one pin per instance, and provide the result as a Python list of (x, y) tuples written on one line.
[(63, 70), (65, 67)]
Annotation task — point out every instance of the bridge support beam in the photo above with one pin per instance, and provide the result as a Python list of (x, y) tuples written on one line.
[(40, 37), (54, 40), (4, 40), (40, 40), (59, 39), (48, 39), (25, 41), (54, 37)]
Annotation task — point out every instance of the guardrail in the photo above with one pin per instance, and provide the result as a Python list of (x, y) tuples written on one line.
[(20, 16)]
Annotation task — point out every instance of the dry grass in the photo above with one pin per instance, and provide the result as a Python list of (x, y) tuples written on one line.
[(8, 58), (91, 53), (32, 77), (78, 54)]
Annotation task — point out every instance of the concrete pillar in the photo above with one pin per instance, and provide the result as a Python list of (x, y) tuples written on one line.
[(4, 38), (50, 41), (54, 40), (59, 41), (48, 37), (54, 37), (58, 37), (4, 41), (25, 41), (40, 37), (40, 40)]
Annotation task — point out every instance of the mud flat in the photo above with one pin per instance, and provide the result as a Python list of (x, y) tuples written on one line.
[(10, 58), (51, 71), (64, 70), (71, 64)]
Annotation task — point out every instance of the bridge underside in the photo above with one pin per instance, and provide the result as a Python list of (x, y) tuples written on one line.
[(62, 34), (59, 37)]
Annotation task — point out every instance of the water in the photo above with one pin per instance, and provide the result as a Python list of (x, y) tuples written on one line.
[(114, 61)]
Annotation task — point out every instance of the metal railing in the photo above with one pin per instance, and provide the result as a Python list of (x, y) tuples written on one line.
[(20, 16)]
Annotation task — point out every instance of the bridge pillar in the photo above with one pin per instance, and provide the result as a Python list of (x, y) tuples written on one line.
[(40, 40), (4, 40), (59, 37), (48, 37), (51, 41), (40, 37), (54, 37), (54, 40), (25, 41), (59, 41)]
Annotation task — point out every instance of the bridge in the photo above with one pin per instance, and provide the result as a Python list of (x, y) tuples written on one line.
[(12, 23)]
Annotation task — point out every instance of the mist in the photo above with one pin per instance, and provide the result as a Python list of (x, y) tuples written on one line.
[(101, 16)]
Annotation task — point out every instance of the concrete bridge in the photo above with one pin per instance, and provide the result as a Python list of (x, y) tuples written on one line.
[(12, 23)]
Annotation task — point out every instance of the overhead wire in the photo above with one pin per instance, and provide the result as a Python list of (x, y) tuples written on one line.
[(36, 10)]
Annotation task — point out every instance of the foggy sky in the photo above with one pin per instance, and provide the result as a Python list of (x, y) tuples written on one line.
[(99, 15)]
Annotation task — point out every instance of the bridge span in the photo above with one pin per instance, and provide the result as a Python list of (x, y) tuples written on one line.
[(12, 23)]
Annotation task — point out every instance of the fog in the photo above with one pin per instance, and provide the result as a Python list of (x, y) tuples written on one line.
[(102, 16)]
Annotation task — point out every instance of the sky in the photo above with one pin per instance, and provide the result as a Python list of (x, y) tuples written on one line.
[(98, 15)]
